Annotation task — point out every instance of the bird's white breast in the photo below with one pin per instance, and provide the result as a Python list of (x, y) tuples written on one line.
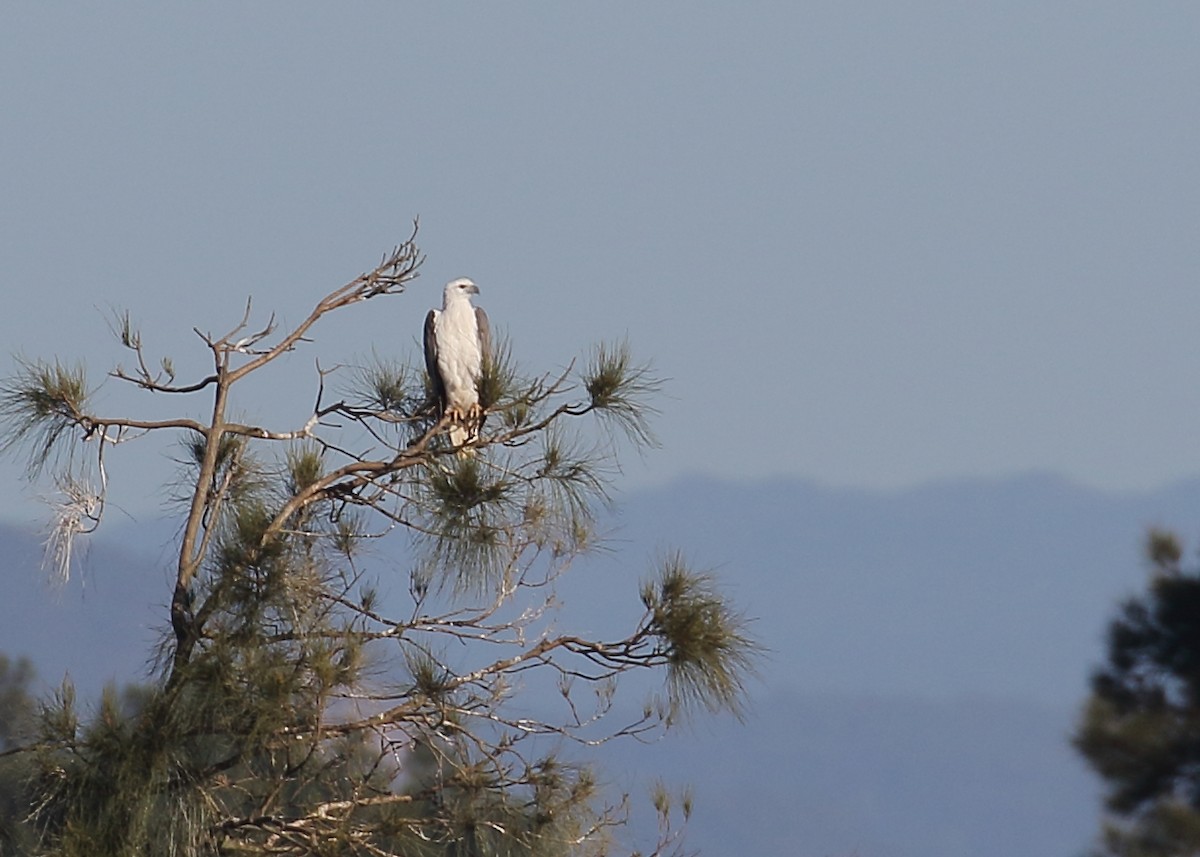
[(459, 356)]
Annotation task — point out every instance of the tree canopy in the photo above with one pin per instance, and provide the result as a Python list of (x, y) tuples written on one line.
[(297, 710), (1141, 726)]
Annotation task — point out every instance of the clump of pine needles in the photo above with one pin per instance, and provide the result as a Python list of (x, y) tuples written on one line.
[(39, 405), (620, 390), (705, 642)]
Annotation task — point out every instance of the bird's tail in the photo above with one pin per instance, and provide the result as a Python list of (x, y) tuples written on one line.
[(459, 435)]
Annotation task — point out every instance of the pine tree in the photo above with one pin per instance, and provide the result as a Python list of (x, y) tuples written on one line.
[(17, 717), (1141, 726), (295, 710)]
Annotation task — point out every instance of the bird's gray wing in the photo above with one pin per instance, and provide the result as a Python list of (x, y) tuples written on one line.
[(485, 335), (485, 349), (431, 362)]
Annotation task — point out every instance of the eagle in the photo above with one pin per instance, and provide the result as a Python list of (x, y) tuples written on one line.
[(457, 344)]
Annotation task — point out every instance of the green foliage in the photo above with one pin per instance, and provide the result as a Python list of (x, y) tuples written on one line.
[(708, 651), (40, 405), (18, 725), (469, 517), (498, 384), (619, 390), (1141, 727), (1167, 829), (305, 465), (386, 386), (16, 705)]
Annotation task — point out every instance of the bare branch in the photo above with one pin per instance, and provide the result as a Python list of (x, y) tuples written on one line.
[(388, 278)]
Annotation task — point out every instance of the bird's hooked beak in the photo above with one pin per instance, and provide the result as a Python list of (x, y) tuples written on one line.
[(473, 289)]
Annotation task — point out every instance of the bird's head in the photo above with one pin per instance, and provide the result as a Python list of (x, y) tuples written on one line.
[(460, 289)]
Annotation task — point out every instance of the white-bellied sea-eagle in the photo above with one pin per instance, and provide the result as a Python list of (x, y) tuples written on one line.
[(457, 342)]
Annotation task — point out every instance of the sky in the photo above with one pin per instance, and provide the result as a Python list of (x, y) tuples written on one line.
[(869, 244)]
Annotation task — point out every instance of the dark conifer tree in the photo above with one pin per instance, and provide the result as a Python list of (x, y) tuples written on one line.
[(18, 716), (1140, 729)]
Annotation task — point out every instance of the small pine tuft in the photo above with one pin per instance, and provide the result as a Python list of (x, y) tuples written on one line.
[(708, 651), (620, 390), (40, 404), (1164, 551), (305, 465), (387, 386)]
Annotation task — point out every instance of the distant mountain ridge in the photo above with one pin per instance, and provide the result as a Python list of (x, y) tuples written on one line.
[(999, 587), (994, 587)]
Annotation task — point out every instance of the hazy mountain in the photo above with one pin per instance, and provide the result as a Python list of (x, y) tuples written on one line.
[(929, 650), (1000, 588)]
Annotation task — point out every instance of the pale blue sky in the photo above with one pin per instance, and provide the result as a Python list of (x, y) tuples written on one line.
[(873, 244)]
